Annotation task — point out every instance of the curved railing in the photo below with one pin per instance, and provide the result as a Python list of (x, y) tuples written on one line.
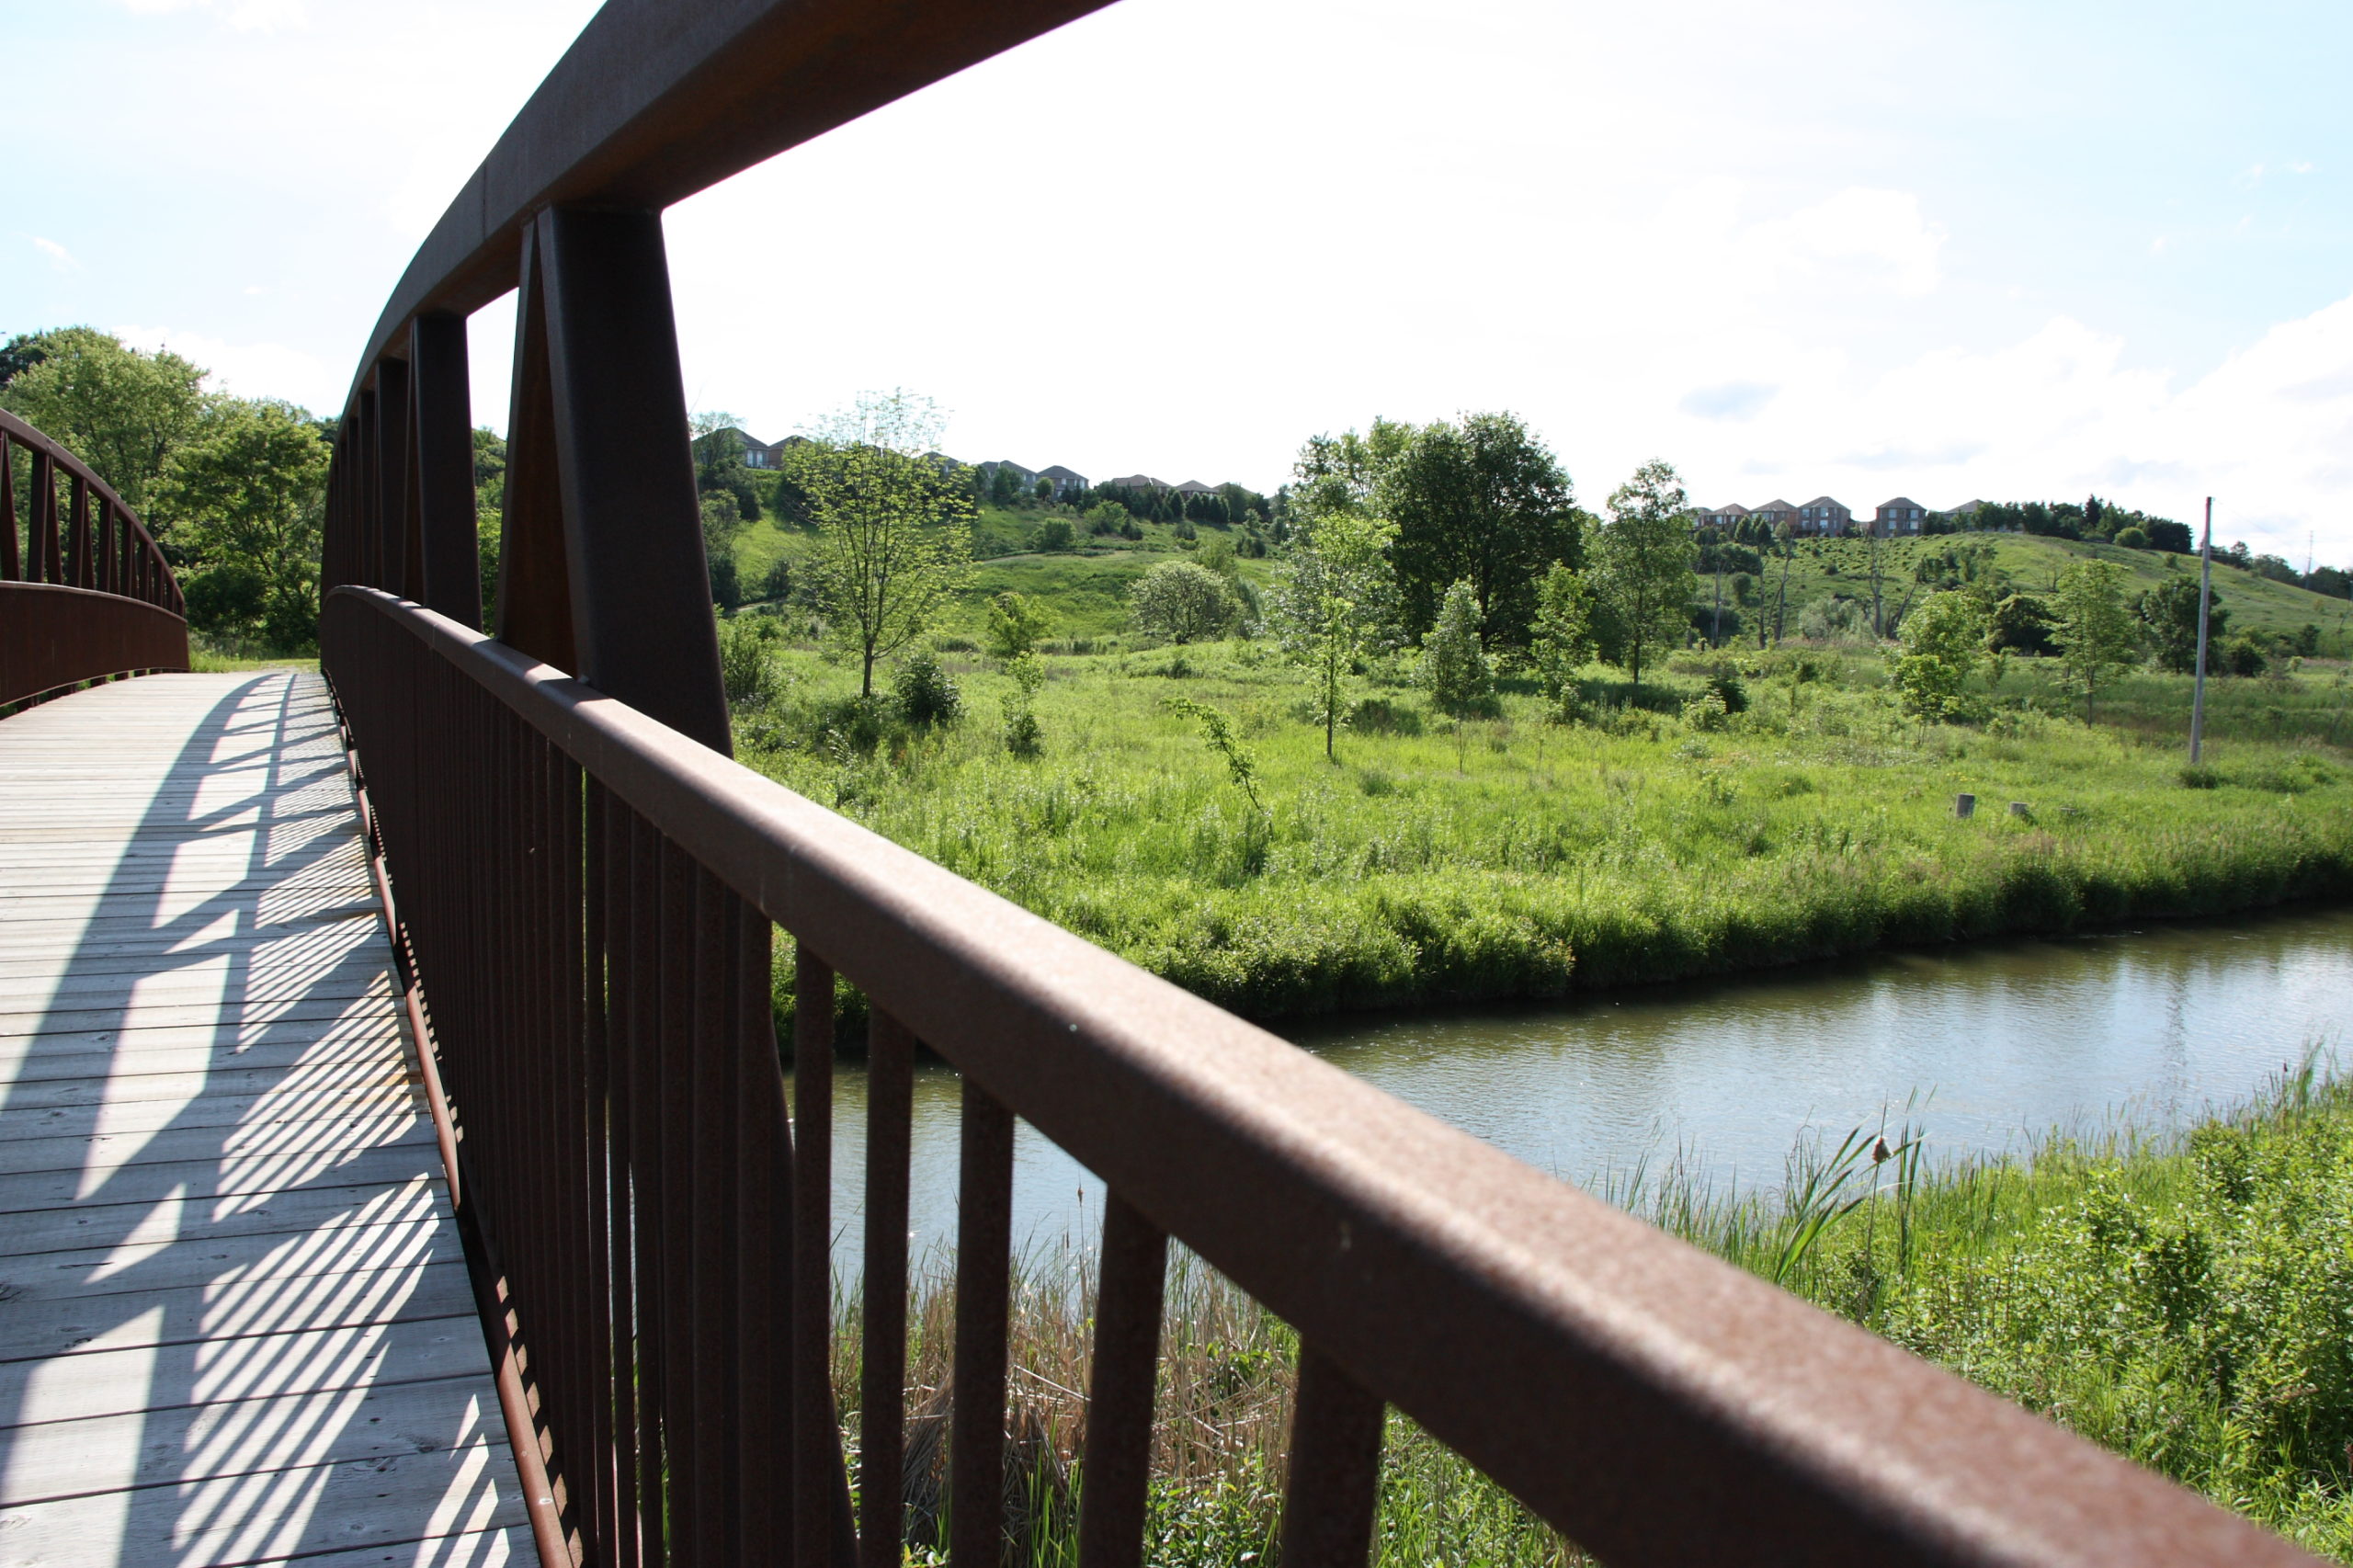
[(86, 594), (587, 886)]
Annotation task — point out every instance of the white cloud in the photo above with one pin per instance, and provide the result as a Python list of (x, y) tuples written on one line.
[(59, 259), (1868, 238), (245, 16), (248, 369)]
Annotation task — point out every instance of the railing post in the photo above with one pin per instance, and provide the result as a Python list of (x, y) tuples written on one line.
[(364, 509), (11, 565), (78, 558), (632, 525), (41, 519), (534, 609), (392, 550), (450, 576)]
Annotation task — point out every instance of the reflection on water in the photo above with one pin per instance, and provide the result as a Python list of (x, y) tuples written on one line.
[(2004, 1042)]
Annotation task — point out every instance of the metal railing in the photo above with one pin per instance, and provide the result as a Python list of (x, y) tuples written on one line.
[(84, 594), (587, 885)]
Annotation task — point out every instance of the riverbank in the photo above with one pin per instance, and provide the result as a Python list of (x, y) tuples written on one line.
[(2185, 1302), (1512, 857)]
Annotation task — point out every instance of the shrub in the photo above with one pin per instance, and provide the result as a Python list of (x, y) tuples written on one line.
[(1454, 665), (1181, 602), (1018, 623), (1054, 533), (2132, 539), (1942, 640), (746, 665), (927, 695), (1022, 736), (1705, 711), (1832, 619), (2244, 655)]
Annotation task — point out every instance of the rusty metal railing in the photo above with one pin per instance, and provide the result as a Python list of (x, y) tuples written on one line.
[(587, 885), (84, 593)]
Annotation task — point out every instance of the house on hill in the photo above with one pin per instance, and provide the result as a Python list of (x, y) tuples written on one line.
[(1776, 512), (759, 453), (1724, 517), (1195, 487), (1138, 482), (1901, 515), (1823, 516), (1067, 483)]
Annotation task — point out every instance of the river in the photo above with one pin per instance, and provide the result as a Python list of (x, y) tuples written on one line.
[(1989, 1047)]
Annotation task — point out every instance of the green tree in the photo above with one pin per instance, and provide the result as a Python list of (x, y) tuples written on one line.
[(2093, 628), (1481, 500), (1943, 640), (720, 521), (2168, 614), (1181, 601), (1454, 667), (119, 410), (1336, 598), (720, 467), (246, 496), (1642, 562), (893, 542), (1564, 638), (1018, 623)]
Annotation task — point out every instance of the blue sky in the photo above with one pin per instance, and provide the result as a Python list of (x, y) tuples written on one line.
[(1943, 249)]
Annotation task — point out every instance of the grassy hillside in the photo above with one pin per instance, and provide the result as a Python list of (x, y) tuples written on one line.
[(1519, 857), (2025, 563)]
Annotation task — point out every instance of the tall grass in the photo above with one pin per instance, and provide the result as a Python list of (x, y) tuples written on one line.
[(2187, 1301), (1516, 857)]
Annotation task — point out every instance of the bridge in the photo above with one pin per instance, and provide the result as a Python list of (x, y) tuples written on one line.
[(395, 1161)]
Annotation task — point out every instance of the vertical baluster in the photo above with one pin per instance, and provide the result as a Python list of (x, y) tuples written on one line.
[(718, 912), (78, 564), (664, 1456), (1119, 1403), (813, 1145), (765, 1305), (626, 978), (890, 1072), (592, 1466), (983, 1257), (12, 569), (1334, 1467), (677, 1216), (41, 518)]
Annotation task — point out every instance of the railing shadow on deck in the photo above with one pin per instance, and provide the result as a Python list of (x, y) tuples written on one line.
[(590, 885), (212, 1353)]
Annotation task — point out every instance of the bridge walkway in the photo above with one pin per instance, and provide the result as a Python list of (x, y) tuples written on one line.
[(236, 1325)]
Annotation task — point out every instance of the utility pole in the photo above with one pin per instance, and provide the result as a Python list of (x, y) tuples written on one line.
[(2205, 601)]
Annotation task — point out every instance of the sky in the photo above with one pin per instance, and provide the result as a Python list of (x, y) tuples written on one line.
[(1947, 249)]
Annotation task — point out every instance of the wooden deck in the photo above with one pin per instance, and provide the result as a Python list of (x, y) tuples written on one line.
[(235, 1320)]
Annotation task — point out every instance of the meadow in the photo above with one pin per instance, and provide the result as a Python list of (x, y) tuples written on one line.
[(1660, 837), (2185, 1302)]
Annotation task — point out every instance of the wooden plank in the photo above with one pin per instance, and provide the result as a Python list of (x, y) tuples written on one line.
[(274, 1518), (218, 1092), (189, 1315), (136, 1104), (184, 1262), (319, 1360), (230, 1175), (336, 1125), (239, 1438), (130, 1225)]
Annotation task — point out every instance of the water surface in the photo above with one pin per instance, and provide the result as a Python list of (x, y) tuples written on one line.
[(1991, 1046)]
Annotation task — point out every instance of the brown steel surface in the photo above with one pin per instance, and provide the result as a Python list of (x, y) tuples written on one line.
[(1653, 1402), (52, 636)]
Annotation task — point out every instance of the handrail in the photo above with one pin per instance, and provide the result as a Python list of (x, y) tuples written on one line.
[(1650, 1401), (89, 595)]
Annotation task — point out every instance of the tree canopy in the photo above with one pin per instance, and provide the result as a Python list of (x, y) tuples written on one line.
[(244, 495), (893, 548), (118, 409), (1478, 499), (1642, 563)]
